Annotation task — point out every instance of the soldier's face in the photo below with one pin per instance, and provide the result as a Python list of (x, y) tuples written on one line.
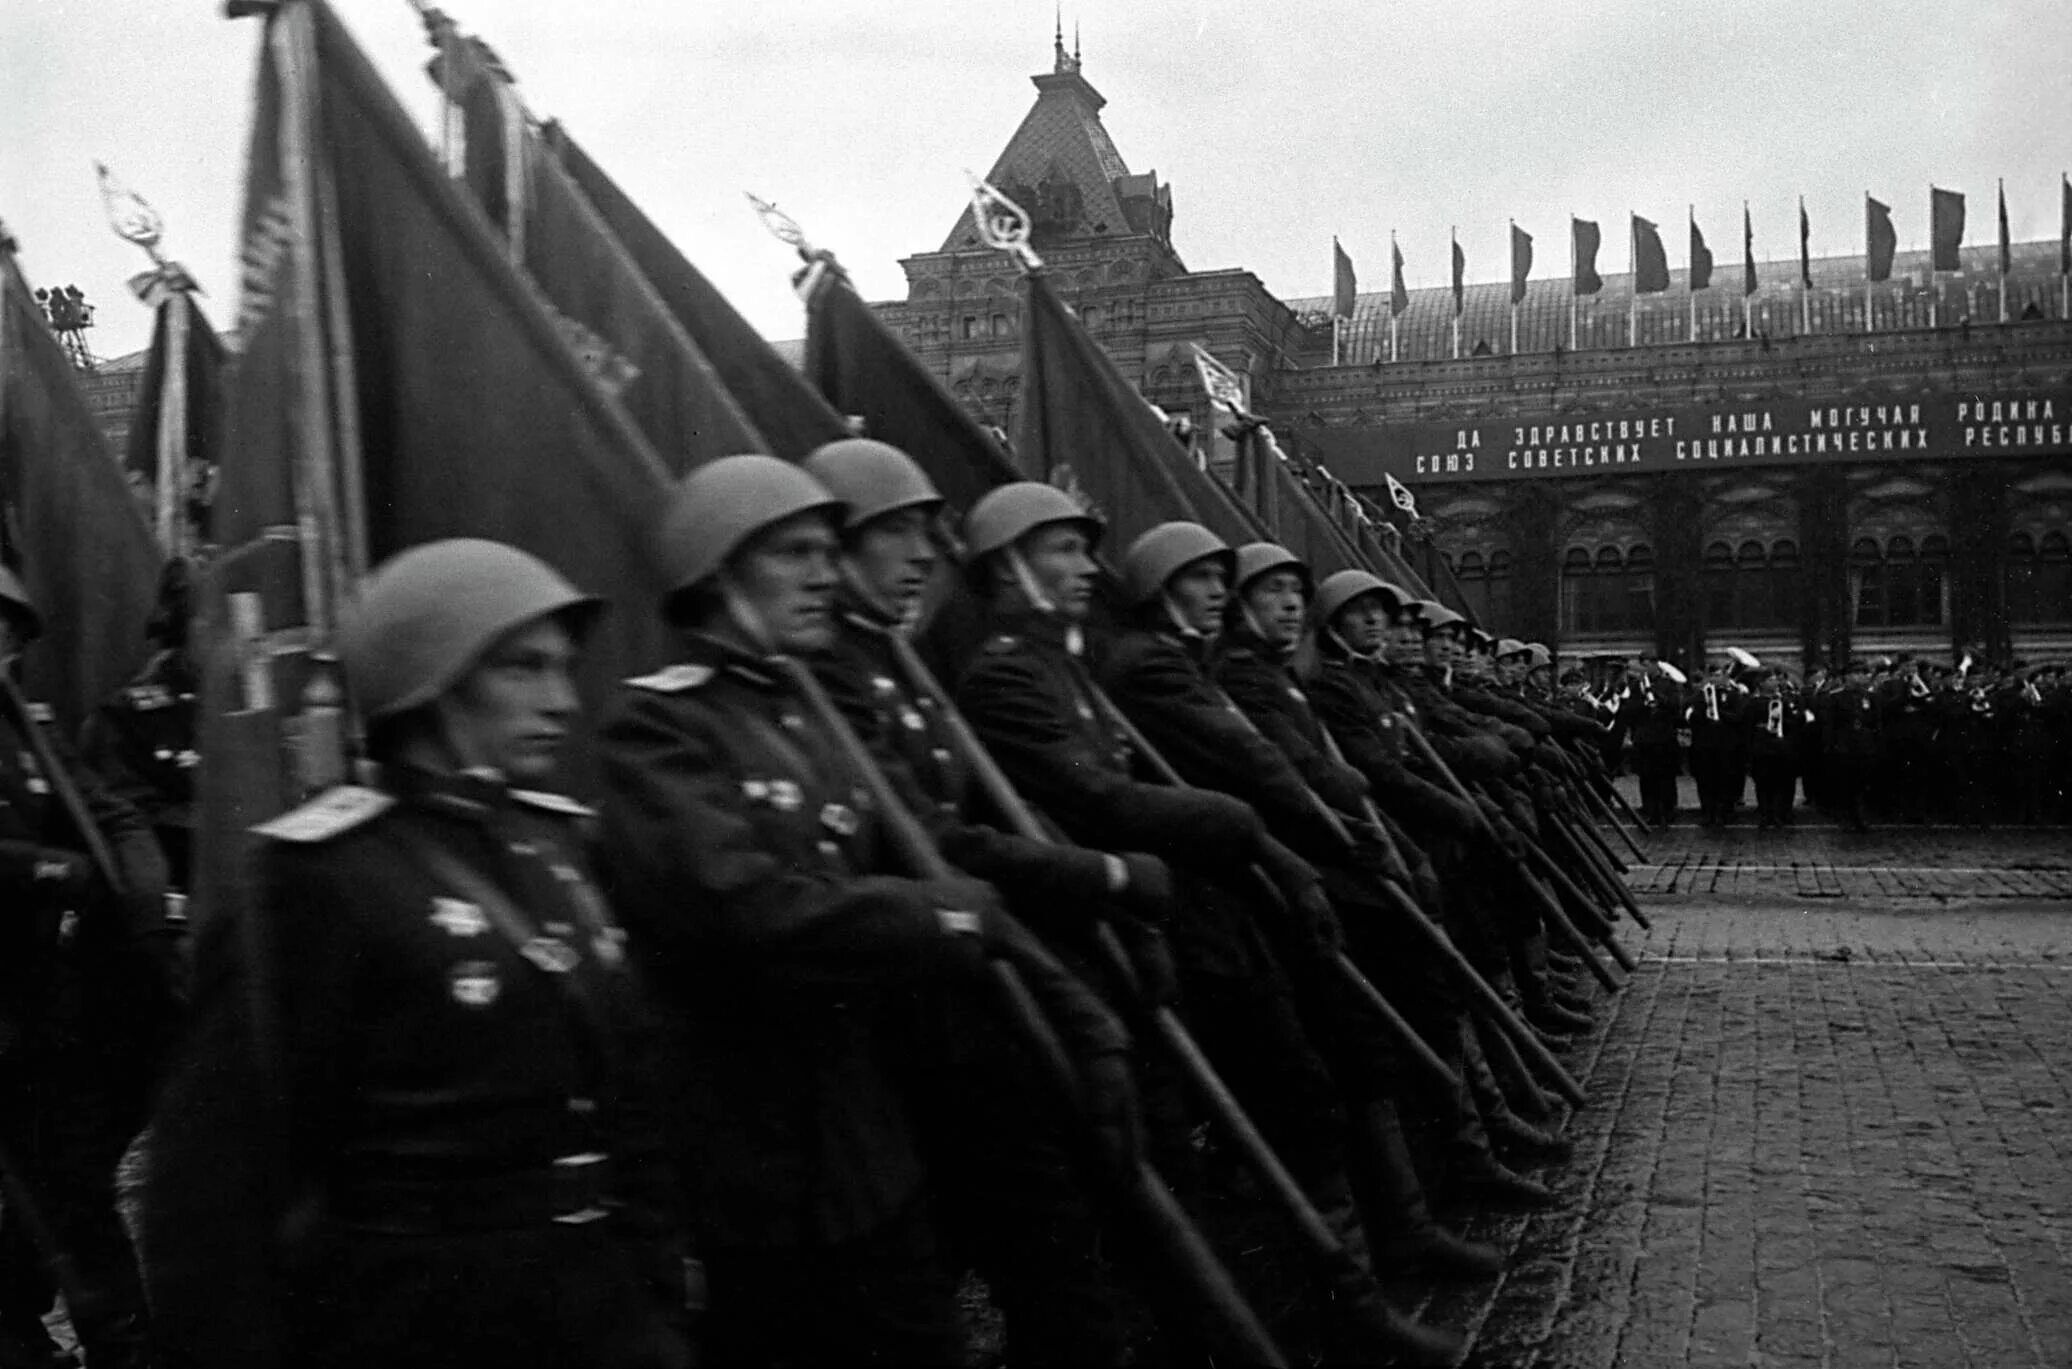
[(1364, 624), (786, 578), (1061, 563), (1276, 604), (1198, 594), (511, 712), (1441, 649), (1405, 642), (893, 557)]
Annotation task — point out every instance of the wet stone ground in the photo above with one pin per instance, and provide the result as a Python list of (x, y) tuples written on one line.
[(1830, 1118)]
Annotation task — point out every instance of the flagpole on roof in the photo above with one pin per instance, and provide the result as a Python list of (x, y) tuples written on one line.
[(2004, 263), (1805, 274), (1395, 319), (1867, 263), (1747, 255), (1514, 293), (1934, 276), (1453, 236), (1572, 282), (1633, 278), (1691, 281)]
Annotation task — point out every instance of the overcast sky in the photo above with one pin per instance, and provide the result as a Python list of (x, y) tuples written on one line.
[(1277, 123)]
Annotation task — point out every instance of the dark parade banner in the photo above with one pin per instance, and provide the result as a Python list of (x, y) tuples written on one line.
[(1703, 438)]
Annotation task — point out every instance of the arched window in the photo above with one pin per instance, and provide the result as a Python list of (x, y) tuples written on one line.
[(1606, 591), (2039, 579), (1484, 583), (1898, 585)]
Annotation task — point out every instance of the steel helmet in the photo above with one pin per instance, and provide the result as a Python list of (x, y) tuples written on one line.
[(1510, 646), (1008, 513), (426, 615), (871, 479), (1537, 656), (1255, 559), (1436, 616), (14, 598), (1163, 552), (720, 505), (1342, 587)]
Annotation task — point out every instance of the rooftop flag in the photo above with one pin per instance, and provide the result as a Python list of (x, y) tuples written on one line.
[(1344, 286), (2006, 248), (1586, 238), (1460, 276), (1879, 240), (1747, 252), (1650, 261), (1805, 247), (1521, 261), (1946, 229), (1701, 260), (1399, 296)]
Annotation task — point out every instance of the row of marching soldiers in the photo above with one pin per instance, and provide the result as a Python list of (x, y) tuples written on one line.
[(855, 980)]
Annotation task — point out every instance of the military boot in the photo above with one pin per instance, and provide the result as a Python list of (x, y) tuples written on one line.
[(1366, 1328), (1510, 1132), (1407, 1238), (1511, 1074)]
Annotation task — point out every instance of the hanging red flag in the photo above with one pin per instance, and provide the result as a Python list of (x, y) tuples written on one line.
[(1585, 239), (1879, 240), (1521, 261), (1701, 260), (1650, 260), (1945, 229), (1399, 297)]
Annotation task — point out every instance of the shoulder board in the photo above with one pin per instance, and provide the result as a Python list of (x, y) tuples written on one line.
[(550, 802), (40, 712), (674, 679), (328, 814), (999, 644)]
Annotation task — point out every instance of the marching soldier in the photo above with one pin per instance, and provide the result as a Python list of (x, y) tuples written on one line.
[(89, 986), (470, 1166), (756, 876), (998, 1158), (1029, 694), (1716, 717)]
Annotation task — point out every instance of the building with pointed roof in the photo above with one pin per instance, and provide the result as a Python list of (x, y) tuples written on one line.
[(1806, 472)]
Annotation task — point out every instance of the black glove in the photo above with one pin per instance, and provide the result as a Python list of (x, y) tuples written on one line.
[(1343, 787), (1148, 890), (1219, 823), (1109, 1095), (1158, 978), (1317, 918)]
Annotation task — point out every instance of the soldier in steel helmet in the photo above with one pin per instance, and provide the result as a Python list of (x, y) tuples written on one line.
[(997, 1155), (469, 1159), (1175, 577), (1030, 695), (90, 982), (760, 882)]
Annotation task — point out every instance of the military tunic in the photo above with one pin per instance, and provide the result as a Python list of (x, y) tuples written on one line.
[(469, 1152), (142, 744)]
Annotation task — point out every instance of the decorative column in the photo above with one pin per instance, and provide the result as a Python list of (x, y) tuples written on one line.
[(1532, 525), (1674, 504), (1826, 616), (1979, 529)]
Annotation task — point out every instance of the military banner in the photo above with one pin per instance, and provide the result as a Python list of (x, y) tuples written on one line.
[(616, 320), (176, 435), (69, 525), (1085, 428), (1704, 438), (784, 408), (865, 371)]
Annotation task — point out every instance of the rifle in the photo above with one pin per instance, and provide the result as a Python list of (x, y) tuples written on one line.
[(1146, 1195), (1336, 1262)]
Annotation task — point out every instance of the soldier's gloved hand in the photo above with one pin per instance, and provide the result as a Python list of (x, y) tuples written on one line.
[(1220, 823), (1145, 885), (1158, 978), (1318, 919), (1108, 1092), (1342, 787)]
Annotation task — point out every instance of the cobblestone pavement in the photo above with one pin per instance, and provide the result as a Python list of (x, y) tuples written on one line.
[(1827, 1127)]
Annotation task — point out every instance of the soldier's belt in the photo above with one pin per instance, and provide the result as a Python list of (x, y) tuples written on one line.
[(573, 1190)]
